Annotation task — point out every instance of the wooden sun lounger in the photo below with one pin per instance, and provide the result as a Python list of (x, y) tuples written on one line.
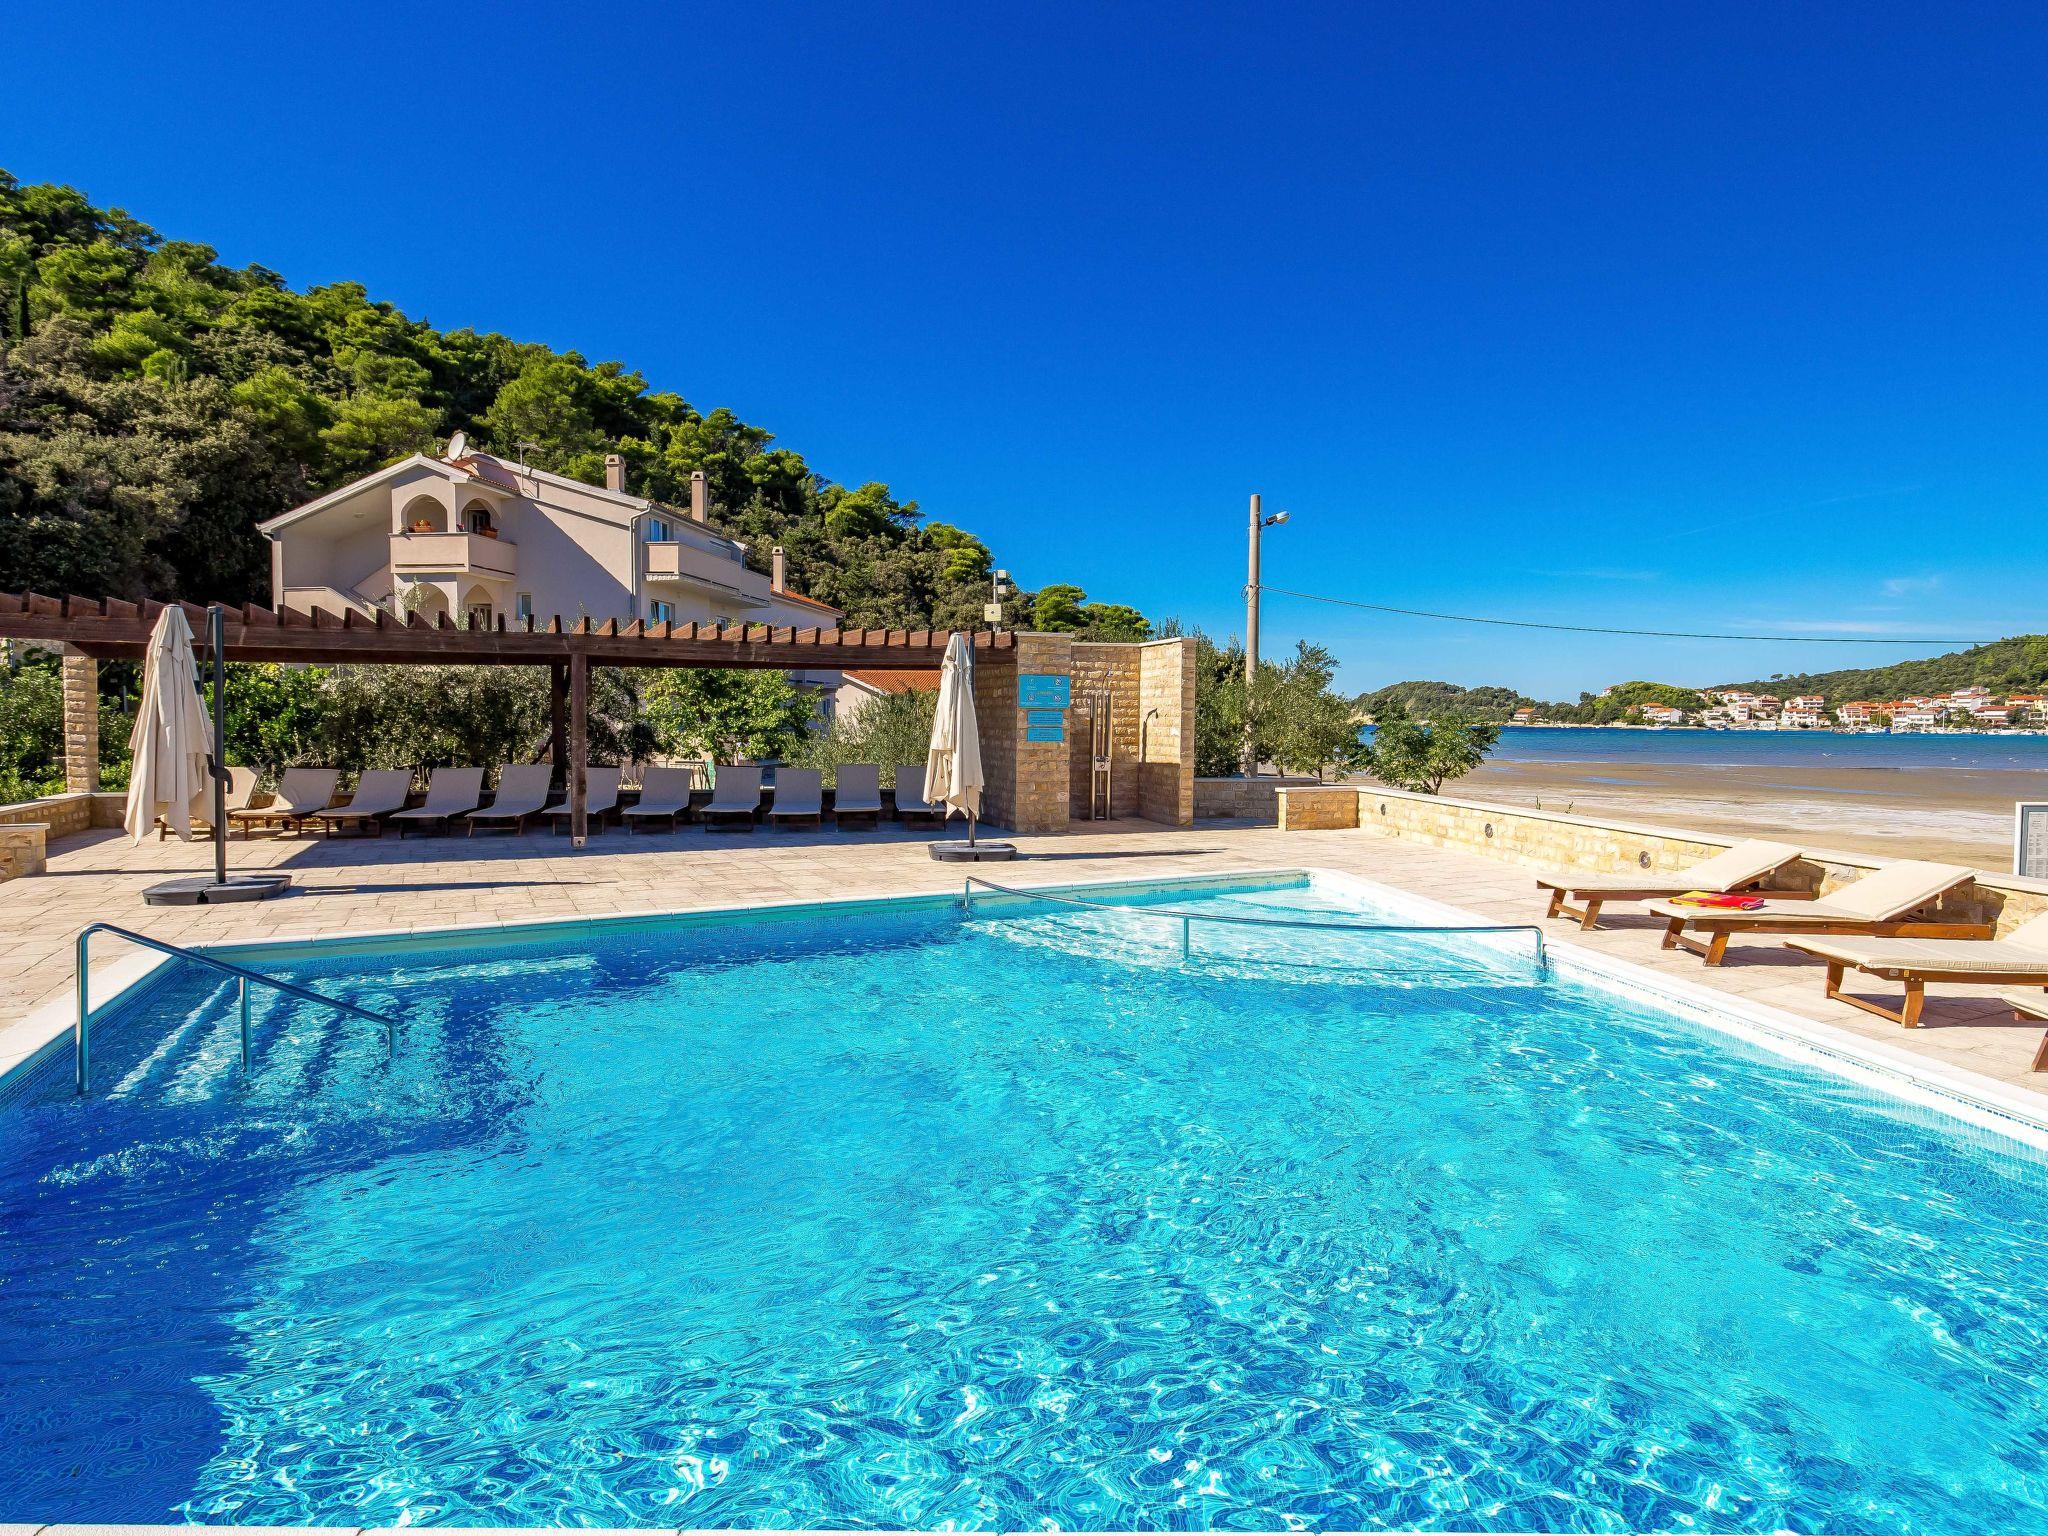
[(522, 791), (600, 799), (2026, 1007), (857, 792), (379, 793), (735, 797), (450, 792), (799, 796), (241, 790), (910, 800), (1881, 905), (2018, 959), (1744, 867), (301, 793), (664, 792)]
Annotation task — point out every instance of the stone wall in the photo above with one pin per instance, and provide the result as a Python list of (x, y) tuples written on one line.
[(1554, 841), (1166, 731), (27, 829), (1240, 798), (1114, 670)]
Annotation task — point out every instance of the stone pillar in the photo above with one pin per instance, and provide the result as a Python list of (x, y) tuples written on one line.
[(1166, 747), (81, 723), (1026, 789)]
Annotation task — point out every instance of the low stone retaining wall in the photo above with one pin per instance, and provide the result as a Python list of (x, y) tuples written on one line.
[(27, 828), (1553, 840), (1240, 798)]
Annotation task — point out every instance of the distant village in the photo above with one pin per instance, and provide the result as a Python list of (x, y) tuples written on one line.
[(1965, 709)]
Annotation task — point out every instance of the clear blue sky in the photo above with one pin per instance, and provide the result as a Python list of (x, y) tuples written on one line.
[(1624, 315)]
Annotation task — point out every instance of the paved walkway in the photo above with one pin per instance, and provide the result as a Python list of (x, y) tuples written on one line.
[(355, 885)]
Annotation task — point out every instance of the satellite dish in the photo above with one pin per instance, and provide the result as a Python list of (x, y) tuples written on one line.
[(457, 446)]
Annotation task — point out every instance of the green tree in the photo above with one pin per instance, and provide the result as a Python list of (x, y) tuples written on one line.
[(887, 731), (1057, 608), (1409, 754), (726, 715)]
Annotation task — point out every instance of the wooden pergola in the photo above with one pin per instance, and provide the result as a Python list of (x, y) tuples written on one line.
[(111, 629)]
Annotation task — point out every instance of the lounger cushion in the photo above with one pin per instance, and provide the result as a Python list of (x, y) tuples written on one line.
[(377, 793), (2033, 1004), (738, 788), (600, 793), (664, 792), (1890, 895), (859, 788), (522, 790), (1723, 872), (1949, 957), (450, 792), (798, 792)]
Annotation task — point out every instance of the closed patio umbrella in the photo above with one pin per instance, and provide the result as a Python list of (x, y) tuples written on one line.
[(172, 736), (952, 765)]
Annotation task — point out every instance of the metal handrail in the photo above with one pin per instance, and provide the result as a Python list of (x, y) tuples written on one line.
[(81, 1031), (1188, 919)]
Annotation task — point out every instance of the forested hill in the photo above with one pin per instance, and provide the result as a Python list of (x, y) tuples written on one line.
[(1429, 699), (2015, 665), (155, 404)]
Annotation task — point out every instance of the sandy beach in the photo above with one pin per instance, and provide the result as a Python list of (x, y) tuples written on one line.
[(1963, 816)]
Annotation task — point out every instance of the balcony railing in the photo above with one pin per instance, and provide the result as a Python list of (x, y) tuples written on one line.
[(471, 553), (665, 561)]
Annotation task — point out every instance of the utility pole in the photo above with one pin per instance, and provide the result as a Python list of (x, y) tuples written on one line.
[(1256, 526)]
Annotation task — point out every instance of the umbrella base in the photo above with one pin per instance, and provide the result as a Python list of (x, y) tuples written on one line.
[(972, 853), (205, 891)]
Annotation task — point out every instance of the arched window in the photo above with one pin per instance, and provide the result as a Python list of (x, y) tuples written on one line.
[(476, 518)]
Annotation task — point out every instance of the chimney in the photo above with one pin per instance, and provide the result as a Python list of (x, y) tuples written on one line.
[(778, 582), (700, 497), (614, 472)]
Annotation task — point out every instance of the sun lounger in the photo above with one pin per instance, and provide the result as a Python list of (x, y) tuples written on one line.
[(450, 792), (2021, 957), (600, 798), (1887, 904), (241, 790), (2026, 1006), (522, 791), (1744, 867), (910, 800), (735, 797), (379, 792), (857, 791), (300, 793), (799, 796), (664, 793)]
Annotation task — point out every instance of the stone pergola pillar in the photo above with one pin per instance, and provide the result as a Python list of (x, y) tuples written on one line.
[(81, 723)]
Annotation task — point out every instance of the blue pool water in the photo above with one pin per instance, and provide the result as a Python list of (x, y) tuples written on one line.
[(909, 1220)]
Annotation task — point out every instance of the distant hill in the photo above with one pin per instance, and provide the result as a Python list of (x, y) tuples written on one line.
[(2015, 665), (1428, 700)]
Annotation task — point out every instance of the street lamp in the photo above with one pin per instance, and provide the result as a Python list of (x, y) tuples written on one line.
[(1258, 525)]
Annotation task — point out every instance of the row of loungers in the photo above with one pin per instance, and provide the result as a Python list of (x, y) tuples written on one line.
[(1883, 925), (304, 797)]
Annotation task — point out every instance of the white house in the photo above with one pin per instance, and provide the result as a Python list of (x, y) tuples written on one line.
[(474, 535)]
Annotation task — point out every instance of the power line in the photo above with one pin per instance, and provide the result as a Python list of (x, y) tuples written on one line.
[(1597, 629)]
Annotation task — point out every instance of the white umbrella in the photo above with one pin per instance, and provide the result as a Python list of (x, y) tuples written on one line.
[(170, 743), (952, 766)]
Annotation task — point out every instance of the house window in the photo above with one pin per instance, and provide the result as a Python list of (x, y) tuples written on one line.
[(523, 606), (477, 519), (480, 615), (658, 531), (661, 613)]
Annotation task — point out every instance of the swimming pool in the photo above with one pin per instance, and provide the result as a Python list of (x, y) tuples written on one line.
[(894, 1216)]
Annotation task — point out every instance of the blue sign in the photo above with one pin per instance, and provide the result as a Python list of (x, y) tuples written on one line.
[(1045, 733), (1045, 717), (1044, 690)]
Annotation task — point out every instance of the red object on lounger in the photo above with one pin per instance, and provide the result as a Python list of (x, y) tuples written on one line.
[(1729, 902)]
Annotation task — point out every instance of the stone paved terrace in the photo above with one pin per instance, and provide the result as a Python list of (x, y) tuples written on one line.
[(353, 884)]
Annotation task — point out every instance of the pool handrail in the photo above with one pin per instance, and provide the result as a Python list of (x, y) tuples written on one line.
[(1188, 919), (81, 1029)]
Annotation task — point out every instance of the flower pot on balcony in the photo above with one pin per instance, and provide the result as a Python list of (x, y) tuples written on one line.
[(422, 526)]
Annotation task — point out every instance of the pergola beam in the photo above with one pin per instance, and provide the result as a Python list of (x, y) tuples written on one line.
[(110, 629)]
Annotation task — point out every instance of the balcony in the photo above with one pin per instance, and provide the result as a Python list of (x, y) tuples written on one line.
[(463, 554), (668, 562)]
